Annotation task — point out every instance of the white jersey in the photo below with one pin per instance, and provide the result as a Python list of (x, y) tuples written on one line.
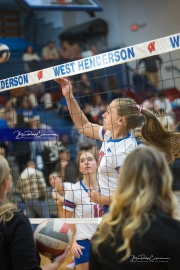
[(111, 158), (77, 201)]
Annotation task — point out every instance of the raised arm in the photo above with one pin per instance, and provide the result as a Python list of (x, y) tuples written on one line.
[(78, 117)]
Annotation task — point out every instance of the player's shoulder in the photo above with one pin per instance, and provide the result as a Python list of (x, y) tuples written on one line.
[(128, 144), (76, 186), (68, 185), (19, 217)]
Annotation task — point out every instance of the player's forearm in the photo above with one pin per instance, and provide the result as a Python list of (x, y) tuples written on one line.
[(77, 115), (105, 200)]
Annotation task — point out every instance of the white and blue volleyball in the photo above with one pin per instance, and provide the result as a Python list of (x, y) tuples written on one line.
[(4, 53)]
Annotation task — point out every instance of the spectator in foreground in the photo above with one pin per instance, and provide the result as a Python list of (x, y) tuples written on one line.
[(142, 229), (17, 248)]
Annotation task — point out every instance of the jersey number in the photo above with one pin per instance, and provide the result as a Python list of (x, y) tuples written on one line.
[(98, 211)]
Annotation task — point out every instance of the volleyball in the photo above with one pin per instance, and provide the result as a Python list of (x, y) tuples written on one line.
[(4, 53), (52, 236)]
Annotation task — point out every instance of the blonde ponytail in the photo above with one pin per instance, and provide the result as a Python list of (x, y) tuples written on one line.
[(6, 212)]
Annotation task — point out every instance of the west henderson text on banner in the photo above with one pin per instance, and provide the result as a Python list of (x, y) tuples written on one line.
[(128, 54)]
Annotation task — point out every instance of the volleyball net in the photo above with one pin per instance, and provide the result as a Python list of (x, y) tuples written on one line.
[(37, 104)]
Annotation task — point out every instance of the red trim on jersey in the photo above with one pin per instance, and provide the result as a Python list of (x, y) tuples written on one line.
[(64, 228), (69, 204), (101, 155)]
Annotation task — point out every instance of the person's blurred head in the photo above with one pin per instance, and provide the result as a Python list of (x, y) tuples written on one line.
[(96, 100), (63, 153), (94, 49), (25, 103), (29, 49), (65, 44), (51, 44), (31, 164), (54, 176), (83, 77), (87, 162), (8, 104), (161, 95)]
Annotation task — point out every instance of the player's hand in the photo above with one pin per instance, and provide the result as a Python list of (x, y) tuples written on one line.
[(76, 249), (66, 86), (94, 196), (61, 258)]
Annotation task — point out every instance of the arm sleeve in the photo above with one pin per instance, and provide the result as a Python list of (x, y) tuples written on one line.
[(69, 201), (22, 248), (93, 261)]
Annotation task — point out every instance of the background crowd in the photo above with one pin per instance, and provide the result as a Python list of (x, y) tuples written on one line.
[(43, 107)]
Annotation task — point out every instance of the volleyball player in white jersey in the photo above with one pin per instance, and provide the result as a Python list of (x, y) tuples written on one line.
[(59, 189), (77, 204), (119, 120)]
